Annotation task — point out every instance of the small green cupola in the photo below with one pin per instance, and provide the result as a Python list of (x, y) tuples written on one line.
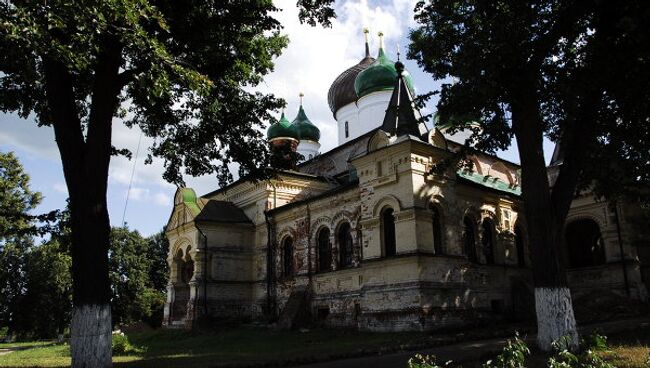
[(380, 75), (282, 129), (306, 129)]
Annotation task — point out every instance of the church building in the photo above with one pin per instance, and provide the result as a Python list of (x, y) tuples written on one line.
[(368, 236)]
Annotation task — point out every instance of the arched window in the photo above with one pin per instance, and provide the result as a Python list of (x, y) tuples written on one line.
[(487, 240), (584, 243), (469, 239), (519, 244), (347, 130), (324, 250), (436, 222), (388, 232), (287, 257), (345, 245)]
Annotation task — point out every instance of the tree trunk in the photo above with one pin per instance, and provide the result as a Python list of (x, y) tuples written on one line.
[(91, 320), (85, 167), (553, 304)]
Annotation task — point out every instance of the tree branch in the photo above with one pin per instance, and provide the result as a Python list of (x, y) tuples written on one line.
[(68, 132), (545, 43), (105, 92)]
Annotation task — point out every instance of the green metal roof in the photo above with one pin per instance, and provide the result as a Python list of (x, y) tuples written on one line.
[(306, 130), (282, 129), (190, 200), (489, 181), (379, 76)]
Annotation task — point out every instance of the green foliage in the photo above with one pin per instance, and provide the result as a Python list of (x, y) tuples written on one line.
[(513, 355), (16, 198), (132, 293), (139, 273), (12, 280), (316, 11), (157, 249), (596, 342), (46, 308), (122, 346), (515, 352), (587, 358), (425, 361), (186, 68), (576, 70)]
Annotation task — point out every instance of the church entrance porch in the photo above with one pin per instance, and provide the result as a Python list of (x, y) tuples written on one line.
[(179, 288)]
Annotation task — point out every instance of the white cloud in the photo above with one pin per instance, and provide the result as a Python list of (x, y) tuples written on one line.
[(60, 187), (138, 194), (162, 199)]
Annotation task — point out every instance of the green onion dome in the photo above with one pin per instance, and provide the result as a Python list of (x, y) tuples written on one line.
[(282, 129), (305, 128), (380, 76)]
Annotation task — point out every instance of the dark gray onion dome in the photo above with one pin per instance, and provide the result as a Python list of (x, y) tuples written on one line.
[(342, 91)]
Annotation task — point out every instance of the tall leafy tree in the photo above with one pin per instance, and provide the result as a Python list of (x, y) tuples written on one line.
[(157, 249), (179, 69), (16, 201), (13, 254), (575, 71), (129, 267), (46, 308)]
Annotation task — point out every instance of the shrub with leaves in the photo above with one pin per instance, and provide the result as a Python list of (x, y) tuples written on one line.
[(515, 352), (121, 344), (588, 358), (513, 355), (425, 361)]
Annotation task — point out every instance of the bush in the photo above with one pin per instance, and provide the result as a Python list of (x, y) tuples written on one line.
[(121, 344), (515, 352), (425, 361), (513, 355)]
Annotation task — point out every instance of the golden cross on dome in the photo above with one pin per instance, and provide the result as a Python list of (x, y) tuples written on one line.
[(301, 95), (381, 39)]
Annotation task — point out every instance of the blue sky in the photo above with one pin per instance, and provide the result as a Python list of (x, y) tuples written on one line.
[(312, 61)]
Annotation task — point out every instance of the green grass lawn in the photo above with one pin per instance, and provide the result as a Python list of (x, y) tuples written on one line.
[(28, 344), (242, 346)]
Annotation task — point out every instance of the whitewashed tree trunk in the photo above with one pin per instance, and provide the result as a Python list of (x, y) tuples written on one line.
[(555, 317), (90, 342)]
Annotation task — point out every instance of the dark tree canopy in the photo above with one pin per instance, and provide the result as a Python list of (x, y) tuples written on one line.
[(182, 66), (584, 64)]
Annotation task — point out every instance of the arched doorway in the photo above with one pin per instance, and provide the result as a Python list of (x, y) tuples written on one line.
[(584, 244), (183, 273)]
